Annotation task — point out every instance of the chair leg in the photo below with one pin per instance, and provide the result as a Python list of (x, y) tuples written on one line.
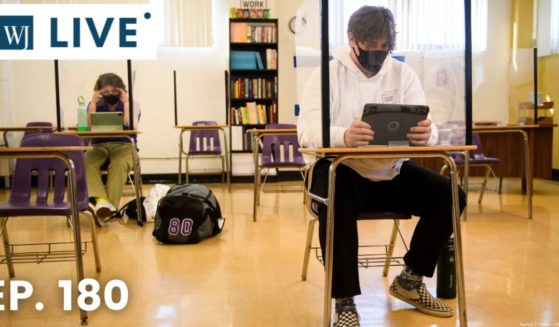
[(94, 240), (500, 185), (6, 241), (487, 172), (390, 249), (308, 245), (261, 186), (187, 180), (138, 193), (222, 169), (302, 172)]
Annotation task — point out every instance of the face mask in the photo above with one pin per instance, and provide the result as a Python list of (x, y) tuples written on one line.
[(111, 99), (371, 60)]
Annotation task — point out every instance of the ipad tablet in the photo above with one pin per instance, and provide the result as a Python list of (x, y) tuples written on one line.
[(107, 121), (392, 122)]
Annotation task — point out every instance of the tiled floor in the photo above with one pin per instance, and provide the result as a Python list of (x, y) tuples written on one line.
[(250, 274)]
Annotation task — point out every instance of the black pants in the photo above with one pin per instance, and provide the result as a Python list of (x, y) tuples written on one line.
[(416, 190)]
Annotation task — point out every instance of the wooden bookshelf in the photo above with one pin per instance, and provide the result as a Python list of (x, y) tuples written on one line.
[(253, 78)]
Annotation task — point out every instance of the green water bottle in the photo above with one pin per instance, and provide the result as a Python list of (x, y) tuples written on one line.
[(446, 272), (82, 115)]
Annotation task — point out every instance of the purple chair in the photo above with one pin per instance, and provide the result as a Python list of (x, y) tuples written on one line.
[(47, 127), (478, 159), (369, 255), (204, 144), (50, 198), (280, 151)]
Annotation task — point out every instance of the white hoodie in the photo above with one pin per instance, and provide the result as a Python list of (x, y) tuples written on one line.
[(350, 90)]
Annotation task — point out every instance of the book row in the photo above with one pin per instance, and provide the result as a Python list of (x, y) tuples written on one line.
[(254, 88), (253, 33), (252, 60), (254, 114)]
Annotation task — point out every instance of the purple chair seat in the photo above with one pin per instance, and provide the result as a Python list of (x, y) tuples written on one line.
[(207, 152), (478, 160), (8, 209), (283, 164)]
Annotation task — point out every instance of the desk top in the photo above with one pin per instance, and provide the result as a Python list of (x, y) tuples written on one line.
[(272, 131), (200, 127), (23, 128), (103, 133), (332, 152), (509, 127), (43, 149)]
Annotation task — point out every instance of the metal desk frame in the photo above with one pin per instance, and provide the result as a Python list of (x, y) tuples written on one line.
[(339, 155), (528, 173)]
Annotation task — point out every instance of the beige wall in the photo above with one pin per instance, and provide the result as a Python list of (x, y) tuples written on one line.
[(548, 79), (27, 86), (549, 84)]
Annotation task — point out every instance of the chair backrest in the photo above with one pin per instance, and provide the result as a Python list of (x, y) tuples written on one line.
[(43, 168), (47, 127), (478, 152), (204, 141), (281, 150)]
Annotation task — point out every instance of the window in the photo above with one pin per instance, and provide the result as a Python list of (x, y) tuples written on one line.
[(548, 27), (187, 23), (421, 25)]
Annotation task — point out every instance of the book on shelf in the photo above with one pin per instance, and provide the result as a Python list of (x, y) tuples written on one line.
[(271, 59), (244, 32), (250, 60), (253, 88), (253, 113), (237, 138)]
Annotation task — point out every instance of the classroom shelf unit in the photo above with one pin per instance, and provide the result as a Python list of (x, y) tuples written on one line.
[(252, 79)]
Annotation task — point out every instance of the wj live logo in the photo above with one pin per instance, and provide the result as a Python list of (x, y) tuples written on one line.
[(16, 32)]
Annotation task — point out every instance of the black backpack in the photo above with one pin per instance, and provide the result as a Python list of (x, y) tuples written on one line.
[(130, 210), (187, 214)]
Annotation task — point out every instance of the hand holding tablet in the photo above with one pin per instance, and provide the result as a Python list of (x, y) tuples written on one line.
[(392, 123)]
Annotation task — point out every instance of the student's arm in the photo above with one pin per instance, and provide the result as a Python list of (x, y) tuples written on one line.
[(92, 107), (414, 94), (124, 99)]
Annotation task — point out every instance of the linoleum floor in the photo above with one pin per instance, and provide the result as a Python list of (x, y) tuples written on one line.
[(249, 275)]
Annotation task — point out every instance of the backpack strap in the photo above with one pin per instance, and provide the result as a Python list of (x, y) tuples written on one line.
[(206, 199)]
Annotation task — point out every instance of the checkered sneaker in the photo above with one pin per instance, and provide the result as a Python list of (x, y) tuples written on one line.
[(346, 314), (348, 318), (421, 299)]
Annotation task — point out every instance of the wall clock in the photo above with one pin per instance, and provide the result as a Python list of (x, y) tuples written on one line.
[(296, 26)]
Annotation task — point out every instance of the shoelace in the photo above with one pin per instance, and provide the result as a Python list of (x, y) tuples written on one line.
[(345, 305)]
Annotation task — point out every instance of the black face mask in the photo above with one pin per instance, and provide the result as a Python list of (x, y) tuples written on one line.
[(111, 99), (371, 60)]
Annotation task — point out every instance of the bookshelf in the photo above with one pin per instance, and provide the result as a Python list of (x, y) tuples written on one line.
[(253, 78)]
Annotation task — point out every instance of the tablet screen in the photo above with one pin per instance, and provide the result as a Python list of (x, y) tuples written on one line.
[(392, 122)]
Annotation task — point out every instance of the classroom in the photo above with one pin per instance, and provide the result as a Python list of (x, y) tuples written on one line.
[(165, 163)]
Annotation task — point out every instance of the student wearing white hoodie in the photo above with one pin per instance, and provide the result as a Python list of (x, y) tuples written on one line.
[(364, 72)]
